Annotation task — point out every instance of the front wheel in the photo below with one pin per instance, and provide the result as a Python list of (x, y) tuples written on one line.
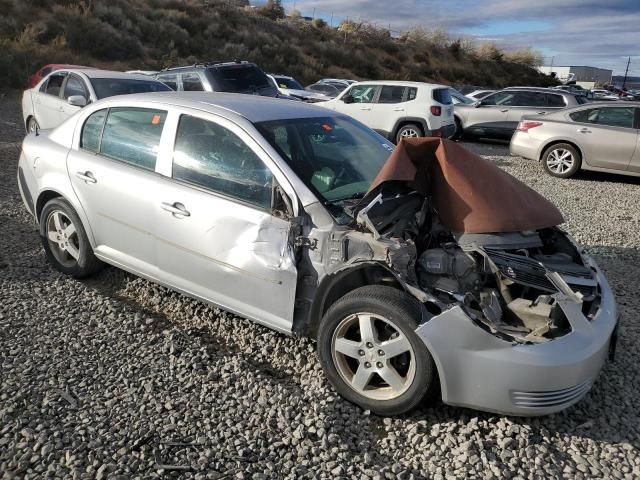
[(561, 160), (32, 125), (371, 354), (410, 130)]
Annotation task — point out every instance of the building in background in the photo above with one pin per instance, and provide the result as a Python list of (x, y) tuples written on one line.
[(585, 76)]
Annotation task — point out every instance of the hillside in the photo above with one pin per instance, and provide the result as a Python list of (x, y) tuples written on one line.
[(153, 34)]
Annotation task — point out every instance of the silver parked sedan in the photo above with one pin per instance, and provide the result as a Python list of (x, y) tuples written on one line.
[(604, 137), (302, 220)]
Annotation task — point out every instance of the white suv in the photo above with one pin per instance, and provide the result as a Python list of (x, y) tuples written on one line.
[(399, 109)]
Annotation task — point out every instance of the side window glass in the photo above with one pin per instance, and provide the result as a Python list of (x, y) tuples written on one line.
[(529, 99), (555, 100), (54, 84), (92, 130), (391, 94), (74, 86), (500, 98), (363, 93), (213, 157), (132, 135), (170, 81), (412, 92), (585, 116), (191, 83), (616, 117)]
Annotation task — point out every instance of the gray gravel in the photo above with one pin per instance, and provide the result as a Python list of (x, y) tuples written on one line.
[(115, 377)]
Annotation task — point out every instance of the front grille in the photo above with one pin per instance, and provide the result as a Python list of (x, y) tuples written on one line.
[(550, 398), (532, 273)]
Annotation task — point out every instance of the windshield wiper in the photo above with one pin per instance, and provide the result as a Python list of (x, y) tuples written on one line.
[(354, 196)]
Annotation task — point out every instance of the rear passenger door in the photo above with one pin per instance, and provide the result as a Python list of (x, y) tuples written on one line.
[(113, 175), (217, 236), (389, 109), (526, 103), (607, 136)]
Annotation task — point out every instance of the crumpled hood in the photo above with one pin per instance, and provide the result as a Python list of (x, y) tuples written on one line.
[(470, 194)]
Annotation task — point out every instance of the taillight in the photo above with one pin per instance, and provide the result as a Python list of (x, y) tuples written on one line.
[(435, 110), (526, 126)]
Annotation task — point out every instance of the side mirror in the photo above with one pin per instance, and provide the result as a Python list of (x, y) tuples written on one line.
[(347, 99), (77, 100), (477, 104)]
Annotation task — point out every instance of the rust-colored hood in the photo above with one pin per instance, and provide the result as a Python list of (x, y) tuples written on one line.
[(470, 194)]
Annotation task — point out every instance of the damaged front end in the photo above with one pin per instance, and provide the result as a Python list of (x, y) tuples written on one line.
[(510, 284)]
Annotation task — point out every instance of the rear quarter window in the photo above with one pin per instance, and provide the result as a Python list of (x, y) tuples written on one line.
[(92, 131), (442, 95)]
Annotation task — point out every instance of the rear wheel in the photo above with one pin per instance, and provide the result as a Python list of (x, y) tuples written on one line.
[(64, 240), (561, 160), (410, 130), (457, 134), (371, 354)]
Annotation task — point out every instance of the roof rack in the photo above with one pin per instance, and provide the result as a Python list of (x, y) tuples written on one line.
[(205, 64)]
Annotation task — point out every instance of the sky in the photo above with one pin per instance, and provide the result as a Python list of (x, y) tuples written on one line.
[(602, 33)]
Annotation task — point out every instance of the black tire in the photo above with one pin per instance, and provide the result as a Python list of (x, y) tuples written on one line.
[(409, 130), (457, 134), (32, 125), (86, 263), (551, 155), (405, 313)]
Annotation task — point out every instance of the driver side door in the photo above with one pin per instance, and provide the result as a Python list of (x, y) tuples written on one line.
[(491, 114), (361, 99), (47, 102), (217, 235), (73, 86)]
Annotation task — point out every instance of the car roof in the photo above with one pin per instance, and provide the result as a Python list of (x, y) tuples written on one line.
[(254, 108), (95, 73), (401, 83)]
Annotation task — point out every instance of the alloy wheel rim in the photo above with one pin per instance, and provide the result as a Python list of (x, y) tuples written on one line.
[(560, 161), (409, 133), (63, 238), (373, 357)]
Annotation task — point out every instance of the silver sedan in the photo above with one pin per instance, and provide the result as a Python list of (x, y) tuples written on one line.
[(261, 207), (604, 137)]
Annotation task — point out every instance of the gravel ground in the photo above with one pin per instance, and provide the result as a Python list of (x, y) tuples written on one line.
[(115, 377)]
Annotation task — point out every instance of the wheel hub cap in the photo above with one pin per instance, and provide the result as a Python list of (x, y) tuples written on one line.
[(373, 356)]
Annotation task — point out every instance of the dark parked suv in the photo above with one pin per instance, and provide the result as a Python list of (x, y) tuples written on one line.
[(498, 114), (232, 77)]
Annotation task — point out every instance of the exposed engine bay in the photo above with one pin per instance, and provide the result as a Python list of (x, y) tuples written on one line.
[(508, 283)]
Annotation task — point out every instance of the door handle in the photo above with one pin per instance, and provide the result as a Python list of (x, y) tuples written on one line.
[(398, 109), (87, 177), (541, 113), (504, 111), (584, 130), (176, 208), (61, 109), (365, 108)]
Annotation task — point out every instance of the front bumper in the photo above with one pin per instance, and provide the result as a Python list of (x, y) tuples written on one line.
[(481, 371)]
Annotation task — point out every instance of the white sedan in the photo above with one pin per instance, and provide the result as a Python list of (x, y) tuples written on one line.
[(63, 92)]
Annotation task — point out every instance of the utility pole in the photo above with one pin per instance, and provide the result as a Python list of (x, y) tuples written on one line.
[(624, 82)]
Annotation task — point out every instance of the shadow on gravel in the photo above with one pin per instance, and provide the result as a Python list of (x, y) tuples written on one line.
[(607, 177)]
